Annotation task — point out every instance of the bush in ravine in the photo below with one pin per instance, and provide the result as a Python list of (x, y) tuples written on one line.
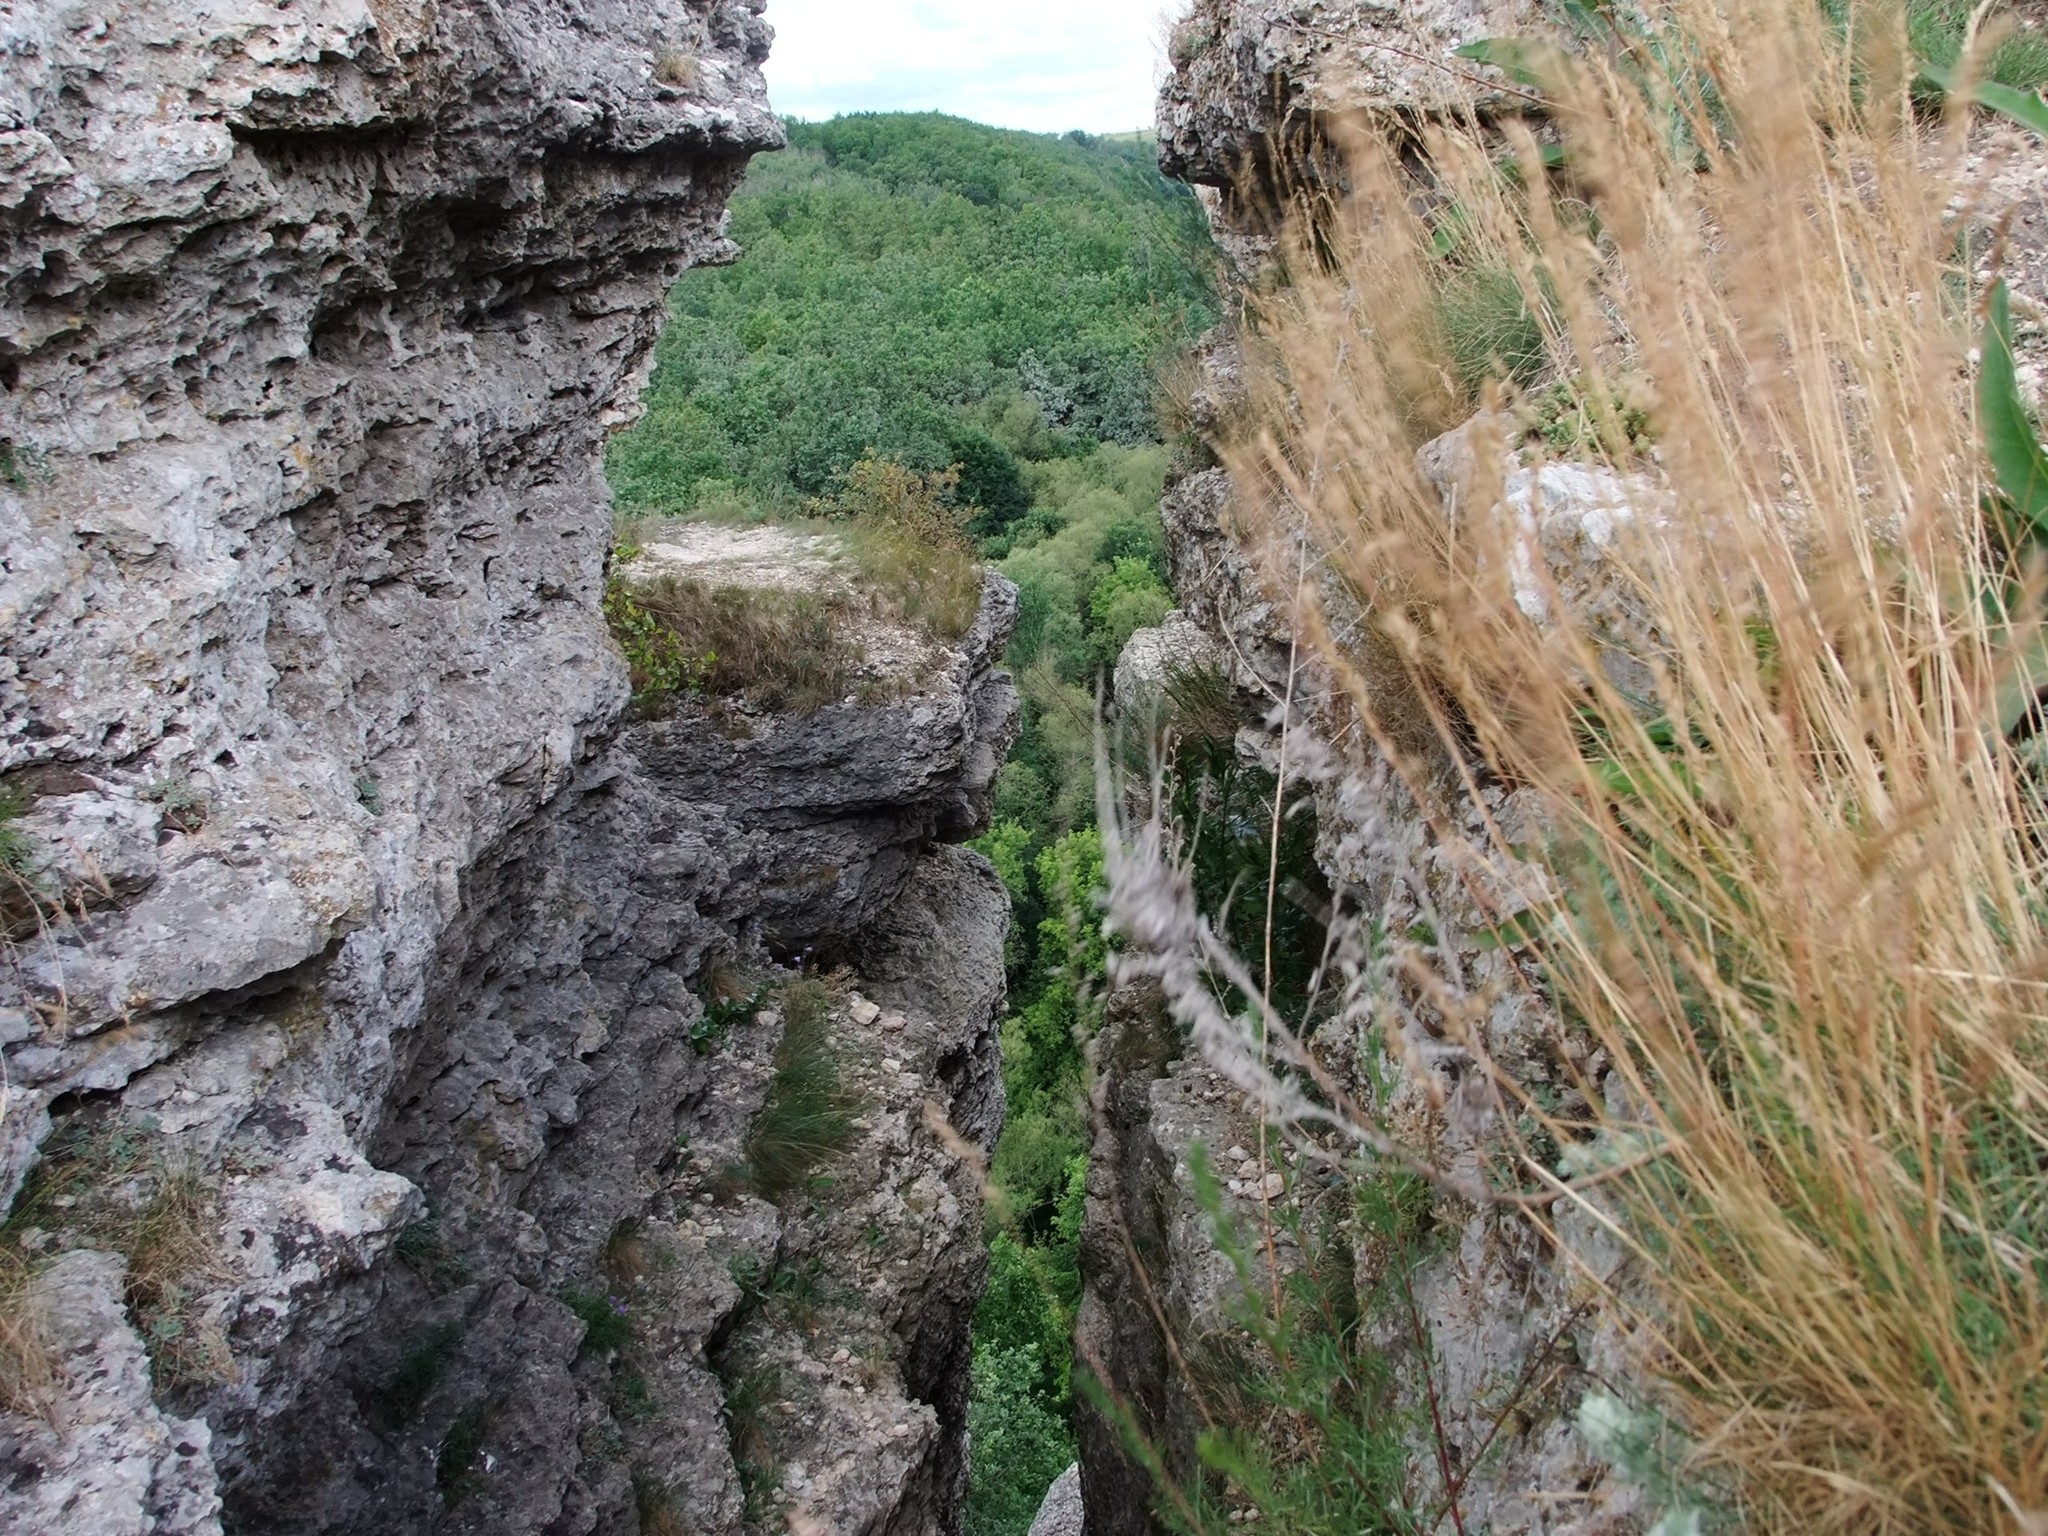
[(1019, 1445)]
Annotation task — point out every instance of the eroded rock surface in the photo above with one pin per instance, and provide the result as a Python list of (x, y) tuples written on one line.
[(352, 893), (1254, 82)]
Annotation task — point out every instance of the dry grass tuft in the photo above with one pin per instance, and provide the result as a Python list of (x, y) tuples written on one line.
[(808, 1117), (679, 69), (111, 1187), (1801, 893), (780, 650), (909, 539), (27, 1371)]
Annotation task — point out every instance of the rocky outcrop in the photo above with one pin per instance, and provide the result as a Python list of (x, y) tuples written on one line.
[(353, 907), (1256, 84), (1060, 1514)]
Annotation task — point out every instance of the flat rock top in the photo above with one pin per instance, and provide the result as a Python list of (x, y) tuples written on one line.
[(721, 555), (892, 650)]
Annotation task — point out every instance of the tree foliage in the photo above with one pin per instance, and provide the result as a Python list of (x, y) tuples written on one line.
[(909, 280)]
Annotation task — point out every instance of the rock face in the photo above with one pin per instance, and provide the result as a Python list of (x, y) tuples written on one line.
[(353, 903), (1255, 81), (1060, 1514), (1504, 1338)]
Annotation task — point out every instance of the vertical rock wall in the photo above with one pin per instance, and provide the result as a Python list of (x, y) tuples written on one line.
[(350, 903)]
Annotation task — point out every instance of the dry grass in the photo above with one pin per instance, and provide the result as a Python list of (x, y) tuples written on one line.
[(111, 1187), (1800, 898), (780, 650), (908, 538), (679, 69), (27, 1371)]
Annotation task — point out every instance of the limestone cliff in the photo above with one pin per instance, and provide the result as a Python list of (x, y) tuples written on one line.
[(351, 918)]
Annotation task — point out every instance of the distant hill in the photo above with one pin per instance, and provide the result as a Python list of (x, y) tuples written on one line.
[(911, 281)]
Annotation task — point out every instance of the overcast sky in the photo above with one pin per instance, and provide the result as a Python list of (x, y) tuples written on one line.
[(1047, 65)]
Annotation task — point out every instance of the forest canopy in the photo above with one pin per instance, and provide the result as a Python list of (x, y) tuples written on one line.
[(923, 289)]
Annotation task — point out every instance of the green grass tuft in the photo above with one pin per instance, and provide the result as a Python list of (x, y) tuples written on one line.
[(455, 1470), (419, 1371), (14, 844), (1489, 329), (607, 1325), (808, 1118)]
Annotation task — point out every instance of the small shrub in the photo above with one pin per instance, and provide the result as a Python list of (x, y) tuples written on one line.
[(660, 664), (424, 1249), (782, 651), (808, 1117), (607, 1325), (721, 1014), (631, 1400), (455, 1471), (1573, 423), (184, 803), (1307, 1426), (797, 1289), (678, 69), (419, 1371)]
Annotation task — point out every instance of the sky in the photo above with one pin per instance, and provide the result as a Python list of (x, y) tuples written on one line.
[(1045, 65)]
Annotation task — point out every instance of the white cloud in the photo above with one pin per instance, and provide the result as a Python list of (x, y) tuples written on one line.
[(1046, 65)]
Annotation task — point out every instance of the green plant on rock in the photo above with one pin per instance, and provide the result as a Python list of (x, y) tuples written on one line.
[(808, 1117), (607, 1322), (419, 1370), (15, 847), (1306, 1422), (721, 1015), (660, 666), (751, 1396), (424, 1249), (455, 1463)]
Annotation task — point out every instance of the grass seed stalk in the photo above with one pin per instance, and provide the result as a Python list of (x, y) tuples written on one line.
[(1797, 884)]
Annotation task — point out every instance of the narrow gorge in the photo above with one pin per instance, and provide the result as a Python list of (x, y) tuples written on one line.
[(716, 824)]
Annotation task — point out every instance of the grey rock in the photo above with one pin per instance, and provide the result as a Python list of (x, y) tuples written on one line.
[(1566, 528), (1253, 80), (106, 1461), (1152, 657), (1060, 1514), (313, 324)]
